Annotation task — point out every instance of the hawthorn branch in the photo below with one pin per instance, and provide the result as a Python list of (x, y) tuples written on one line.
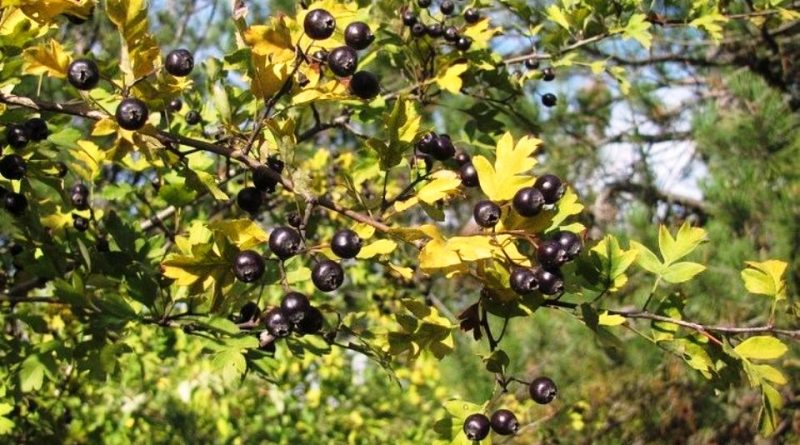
[(166, 138), (699, 327)]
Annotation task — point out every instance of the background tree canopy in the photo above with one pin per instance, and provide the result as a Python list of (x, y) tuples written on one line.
[(160, 205)]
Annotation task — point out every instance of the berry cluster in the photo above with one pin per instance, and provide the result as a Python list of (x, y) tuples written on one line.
[(13, 166), (504, 422), (265, 179), (295, 314), (132, 113), (319, 24), (436, 29)]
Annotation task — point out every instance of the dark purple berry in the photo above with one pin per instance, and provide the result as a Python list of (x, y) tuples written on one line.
[(295, 305), (179, 63), (543, 390), (284, 242), (83, 74), (277, 323), (504, 422), (327, 275), (346, 243), (523, 280), (343, 61), (468, 174), (486, 214), (131, 114), (476, 427), (248, 266), (358, 36), (528, 201), (319, 24), (249, 199), (551, 187)]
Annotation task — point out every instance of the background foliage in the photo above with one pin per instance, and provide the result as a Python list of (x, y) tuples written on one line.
[(671, 117)]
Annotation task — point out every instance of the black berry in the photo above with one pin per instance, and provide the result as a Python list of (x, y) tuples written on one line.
[(548, 74), (320, 56), (13, 166), (275, 164), (61, 169), (549, 100), (79, 195), (451, 34), (504, 422), (523, 281), (284, 242), (532, 64), (249, 199), (295, 305), (311, 323), (550, 282), (543, 390), (343, 61), (551, 187), (248, 266), (418, 30), (357, 35), (528, 201), (319, 24), (409, 18), (175, 105), (462, 158), (179, 63), (278, 323), (365, 85), (471, 15), (80, 223), (193, 117), (434, 30), (551, 255), (447, 7), (427, 143), (443, 149), (423, 3), (249, 312), (265, 179), (37, 129), (463, 43), (486, 214), (17, 136), (131, 114), (476, 427), (327, 275), (468, 174), (346, 243), (15, 203), (83, 74), (570, 242), (294, 220)]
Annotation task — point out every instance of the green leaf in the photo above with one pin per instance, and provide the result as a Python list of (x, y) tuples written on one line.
[(682, 272), (646, 259), (638, 28), (557, 15), (498, 361), (201, 181), (31, 373), (772, 402), (402, 125), (231, 363), (686, 240), (763, 347), (769, 373), (614, 261)]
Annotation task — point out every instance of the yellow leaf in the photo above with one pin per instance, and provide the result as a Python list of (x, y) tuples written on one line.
[(450, 79), (89, 157), (140, 51), (481, 33), (555, 14), (379, 247), (765, 278), (267, 78), (273, 40), (406, 273), (501, 181), (47, 11), (47, 59), (607, 319), (763, 347), (444, 183), (243, 233), (402, 206), (105, 127)]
